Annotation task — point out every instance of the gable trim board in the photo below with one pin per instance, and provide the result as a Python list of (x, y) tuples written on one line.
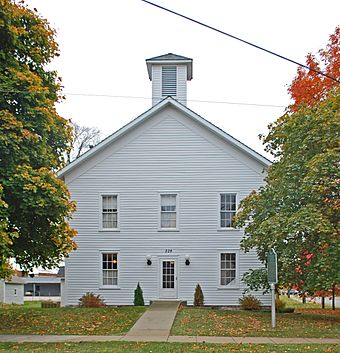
[(167, 150), (168, 101)]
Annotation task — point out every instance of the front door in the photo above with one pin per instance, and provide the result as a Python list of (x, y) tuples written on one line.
[(168, 279)]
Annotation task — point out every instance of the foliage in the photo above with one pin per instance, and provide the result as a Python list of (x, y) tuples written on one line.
[(50, 304), (297, 211), (83, 138), (249, 302), (279, 304), (138, 300), (308, 88), (34, 203), (91, 300), (256, 280), (242, 323), (198, 296), (68, 321)]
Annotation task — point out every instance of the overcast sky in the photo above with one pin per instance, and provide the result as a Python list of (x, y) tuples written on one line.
[(104, 45)]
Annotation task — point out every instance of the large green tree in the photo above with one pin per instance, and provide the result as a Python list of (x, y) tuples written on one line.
[(34, 203), (297, 211)]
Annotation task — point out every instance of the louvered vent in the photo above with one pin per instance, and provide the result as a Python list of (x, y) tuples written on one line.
[(169, 81)]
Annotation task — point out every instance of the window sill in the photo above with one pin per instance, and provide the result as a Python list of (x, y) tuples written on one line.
[(228, 287), (109, 230), (109, 287), (168, 230), (227, 229)]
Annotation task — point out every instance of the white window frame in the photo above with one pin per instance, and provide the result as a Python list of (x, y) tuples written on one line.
[(101, 228), (236, 283), (108, 286), (219, 208), (160, 229)]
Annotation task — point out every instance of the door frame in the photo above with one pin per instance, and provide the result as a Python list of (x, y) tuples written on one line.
[(160, 276)]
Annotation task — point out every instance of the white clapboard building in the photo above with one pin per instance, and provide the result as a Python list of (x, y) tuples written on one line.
[(156, 200)]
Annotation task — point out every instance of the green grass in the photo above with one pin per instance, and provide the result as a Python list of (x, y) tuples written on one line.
[(32, 304), (138, 347), (209, 322), (68, 321), (292, 303)]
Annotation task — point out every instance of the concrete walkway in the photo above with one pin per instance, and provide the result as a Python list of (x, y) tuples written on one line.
[(155, 323), (188, 339)]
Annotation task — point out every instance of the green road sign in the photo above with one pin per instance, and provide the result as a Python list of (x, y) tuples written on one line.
[(272, 267)]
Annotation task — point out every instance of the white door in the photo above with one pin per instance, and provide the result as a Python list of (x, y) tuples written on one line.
[(168, 279)]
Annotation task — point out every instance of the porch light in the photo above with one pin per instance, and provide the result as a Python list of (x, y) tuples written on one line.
[(148, 260), (187, 260)]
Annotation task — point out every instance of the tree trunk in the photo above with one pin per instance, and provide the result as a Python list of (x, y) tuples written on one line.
[(323, 302), (333, 297)]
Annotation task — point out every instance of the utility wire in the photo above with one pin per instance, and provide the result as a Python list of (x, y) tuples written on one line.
[(149, 98), (241, 40)]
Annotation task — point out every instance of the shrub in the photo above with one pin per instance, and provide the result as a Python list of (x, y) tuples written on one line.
[(139, 300), (50, 304), (198, 297), (279, 305), (91, 300), (249, 302)]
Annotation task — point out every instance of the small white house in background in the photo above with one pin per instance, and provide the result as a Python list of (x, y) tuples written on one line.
[(155, 204), (12, 291)]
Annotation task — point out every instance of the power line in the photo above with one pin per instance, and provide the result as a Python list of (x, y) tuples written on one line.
[(241, 40), (100, 95)]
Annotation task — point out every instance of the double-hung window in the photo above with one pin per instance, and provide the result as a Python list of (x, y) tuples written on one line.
[(168, 211), (109, 269), (109, 211), (227, 209), (227, 268)]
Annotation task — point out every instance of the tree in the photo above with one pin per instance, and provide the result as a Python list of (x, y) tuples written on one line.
[(34, 203), (297, 211), (138, 299), (308, 87), (83, 138)]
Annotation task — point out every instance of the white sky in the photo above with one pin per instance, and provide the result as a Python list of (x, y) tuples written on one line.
[(104, 45)]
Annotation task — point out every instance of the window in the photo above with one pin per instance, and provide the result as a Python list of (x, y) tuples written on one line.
[(227, 210), (169, 81), (168, 211), (228, 268), (110, 269), (110, 212)]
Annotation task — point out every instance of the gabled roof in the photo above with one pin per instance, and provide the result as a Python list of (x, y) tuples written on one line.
[(156, 108), (169, 56), (169, 59)]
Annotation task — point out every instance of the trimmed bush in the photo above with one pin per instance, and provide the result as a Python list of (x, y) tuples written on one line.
[(249, 302), (139, 300), (198, 297), (91, 300), (279, 305), (50, 304)]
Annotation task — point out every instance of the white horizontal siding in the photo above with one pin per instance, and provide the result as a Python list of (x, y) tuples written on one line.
[(170, 155)]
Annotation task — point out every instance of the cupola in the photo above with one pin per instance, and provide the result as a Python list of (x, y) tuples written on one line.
[(169, 74)]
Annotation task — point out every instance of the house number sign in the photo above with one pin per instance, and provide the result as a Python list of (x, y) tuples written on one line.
[(168, 251)]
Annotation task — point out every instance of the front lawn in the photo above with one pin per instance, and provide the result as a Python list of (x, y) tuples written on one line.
[(68, 321), (139, 347), (209, 322)]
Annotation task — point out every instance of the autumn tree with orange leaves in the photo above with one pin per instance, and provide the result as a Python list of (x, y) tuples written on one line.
[(297, 212), (308, 88)]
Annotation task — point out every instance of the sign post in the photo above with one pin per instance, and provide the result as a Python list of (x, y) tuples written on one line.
[(272, 279)]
